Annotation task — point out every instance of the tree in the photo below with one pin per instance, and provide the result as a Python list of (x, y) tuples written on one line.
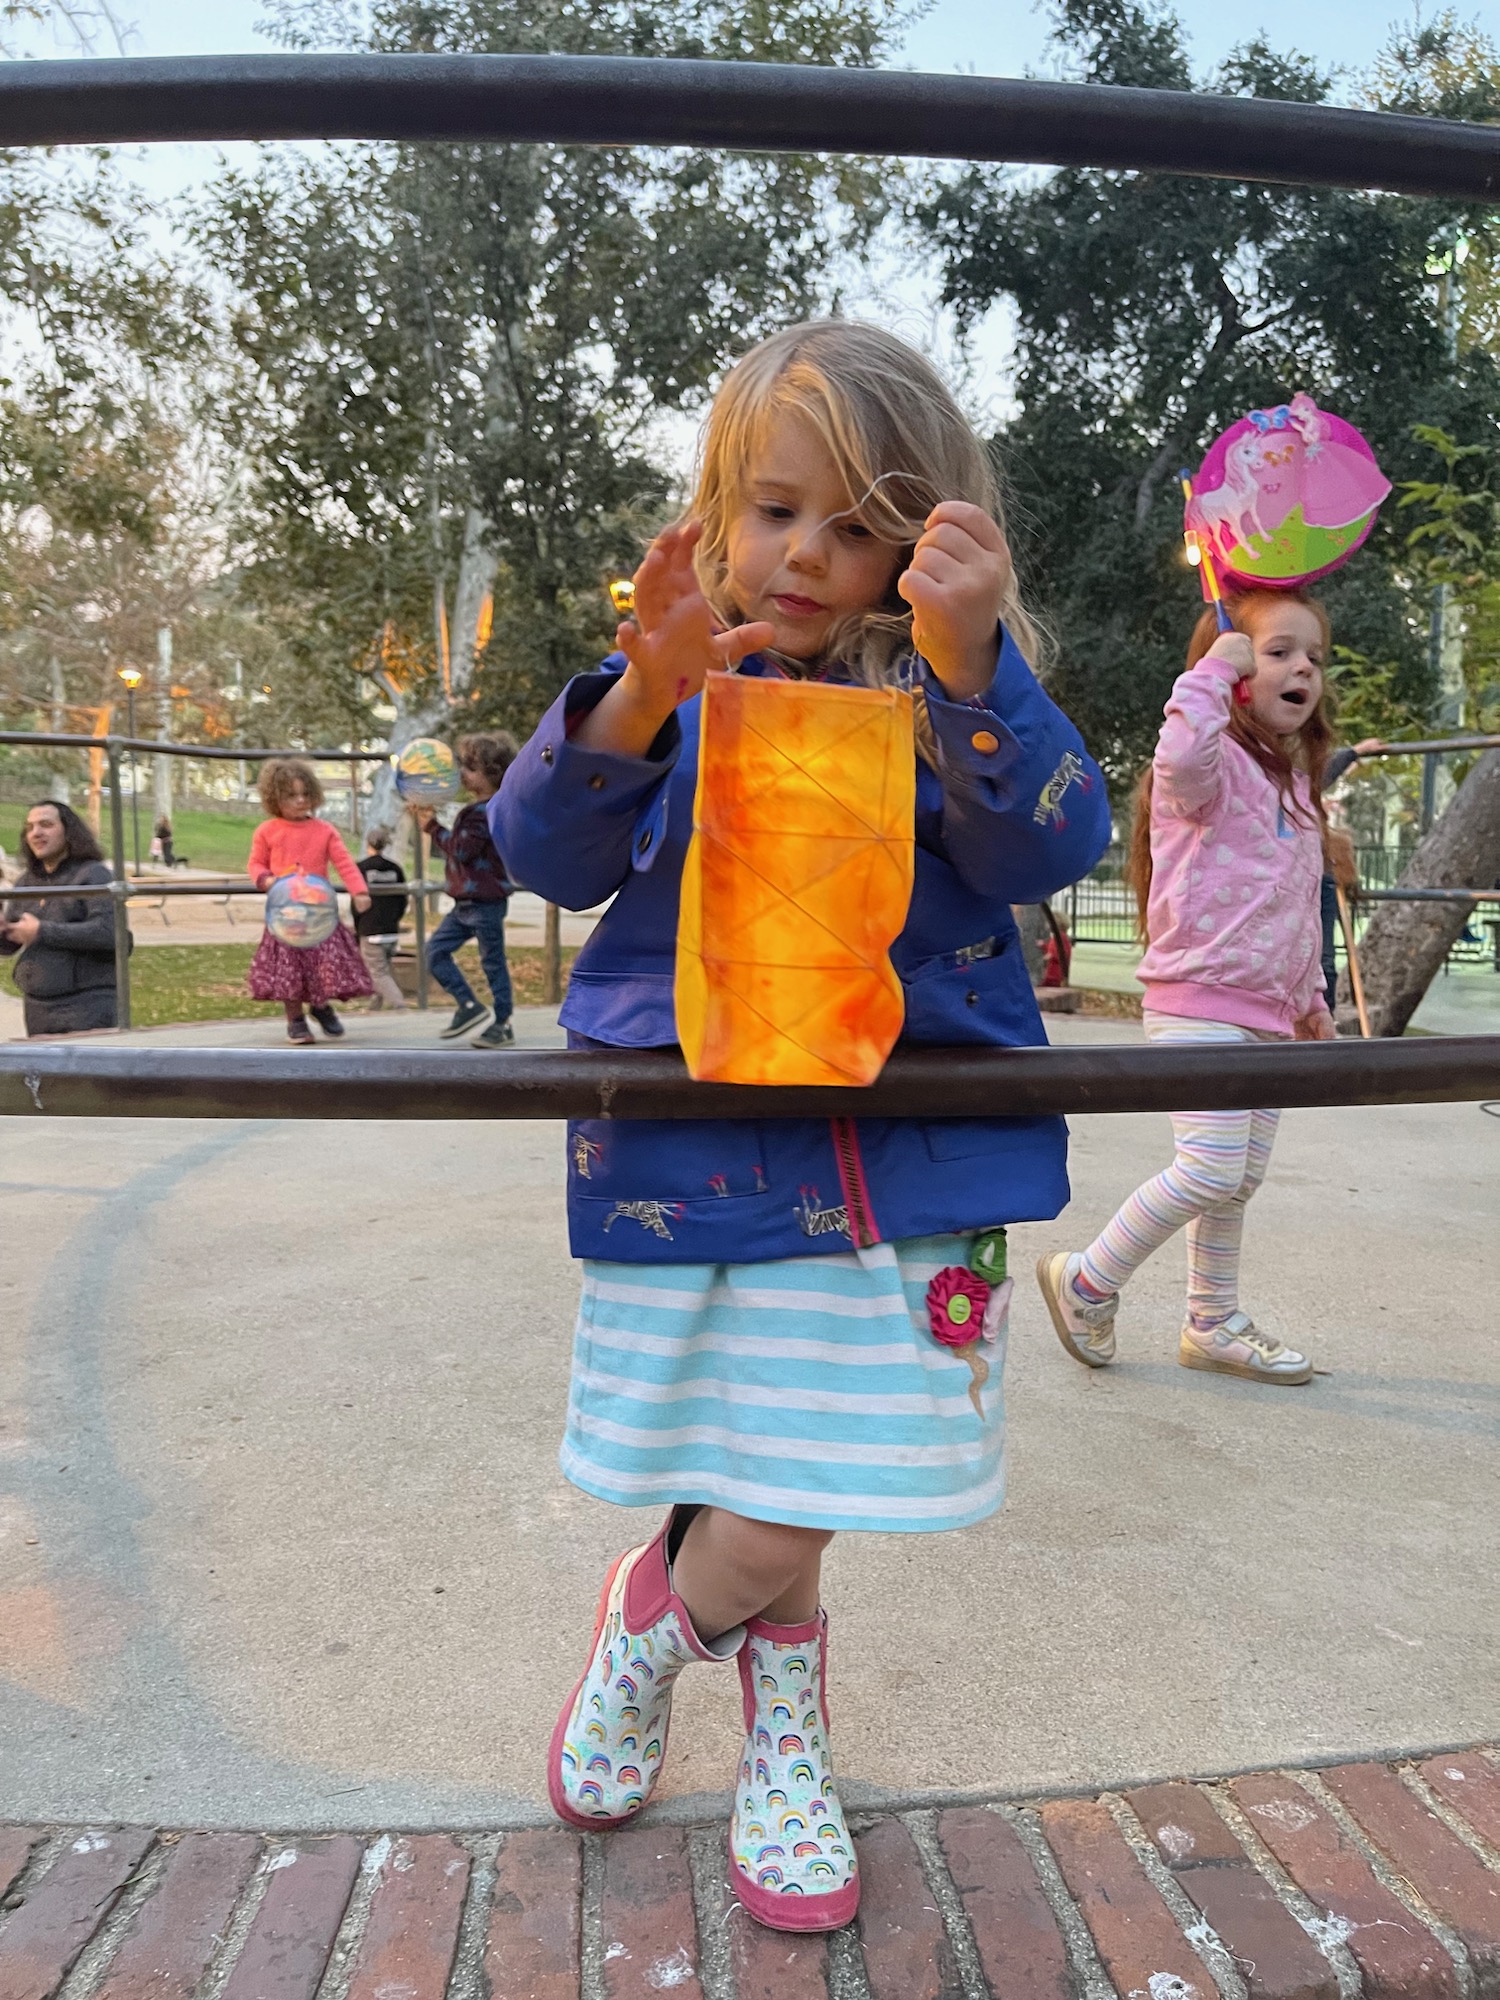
[(1151, 311), (458, 357)]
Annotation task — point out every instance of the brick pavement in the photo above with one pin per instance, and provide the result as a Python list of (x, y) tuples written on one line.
[(1376, 1879)]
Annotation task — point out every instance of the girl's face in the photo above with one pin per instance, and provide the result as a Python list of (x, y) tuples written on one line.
[(798, 555), (1289, 663), (295, 804), (46, 835)]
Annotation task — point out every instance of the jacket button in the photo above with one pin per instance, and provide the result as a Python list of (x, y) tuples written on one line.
[(546, 753), (596, 783), (971, 998), (985, 742)]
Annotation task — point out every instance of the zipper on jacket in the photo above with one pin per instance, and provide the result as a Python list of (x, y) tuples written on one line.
[(863, 1229)]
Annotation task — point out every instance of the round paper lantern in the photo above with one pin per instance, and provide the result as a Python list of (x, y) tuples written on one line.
[(302, 910), (426, 774)]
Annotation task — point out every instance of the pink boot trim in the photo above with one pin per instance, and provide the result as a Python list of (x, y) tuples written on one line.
[(602, 1766), (787, 1836)]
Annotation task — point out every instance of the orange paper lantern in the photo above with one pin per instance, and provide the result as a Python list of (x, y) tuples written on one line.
[(797, 882)]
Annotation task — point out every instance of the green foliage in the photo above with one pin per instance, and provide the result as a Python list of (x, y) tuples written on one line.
[(457, 357), (1151, 311)]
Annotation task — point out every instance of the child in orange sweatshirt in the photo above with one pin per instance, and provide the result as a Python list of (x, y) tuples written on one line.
[(293, 842)]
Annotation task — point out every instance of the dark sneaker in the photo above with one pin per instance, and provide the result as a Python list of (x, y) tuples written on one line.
[(298, 1031), (464, 1018), (499, 1035), (328, 1021)]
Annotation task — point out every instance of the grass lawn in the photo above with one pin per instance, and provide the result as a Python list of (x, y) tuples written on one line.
[(206, 982)]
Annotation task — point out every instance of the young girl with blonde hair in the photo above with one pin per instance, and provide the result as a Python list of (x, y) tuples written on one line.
[(1227, 858), (755, 1347), (294, 841)]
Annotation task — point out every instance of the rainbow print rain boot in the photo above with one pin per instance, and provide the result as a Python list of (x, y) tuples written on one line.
[(611, 1737), (791, 1860)]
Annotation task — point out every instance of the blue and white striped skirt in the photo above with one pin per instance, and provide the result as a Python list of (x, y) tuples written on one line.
[(808, 1391)]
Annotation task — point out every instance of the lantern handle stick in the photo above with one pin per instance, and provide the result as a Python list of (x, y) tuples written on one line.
[(1202, 558)]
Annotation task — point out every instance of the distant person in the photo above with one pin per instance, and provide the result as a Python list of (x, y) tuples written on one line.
[(293, 842), (481, 891), (161, 845), (377, 927), (1226, 858), (66, 971)]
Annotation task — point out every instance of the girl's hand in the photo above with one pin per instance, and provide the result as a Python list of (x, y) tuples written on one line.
[(361, 903), (959, 573), (671, 644), (1369, 747), (1235, 650), (1317, 1027), (23, 930)]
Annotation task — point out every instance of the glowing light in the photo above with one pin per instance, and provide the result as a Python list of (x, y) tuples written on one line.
[(1194, 553), (622, 595), (131, 676)]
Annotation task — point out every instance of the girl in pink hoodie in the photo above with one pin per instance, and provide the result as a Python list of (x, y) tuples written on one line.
[(1226, 861)]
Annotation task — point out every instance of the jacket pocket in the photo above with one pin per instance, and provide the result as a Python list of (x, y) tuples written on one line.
[(979, 995), (46, 973), (631, 1160)]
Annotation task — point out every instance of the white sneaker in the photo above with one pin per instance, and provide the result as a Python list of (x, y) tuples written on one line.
[(1086, 1327), (1238, 1347)]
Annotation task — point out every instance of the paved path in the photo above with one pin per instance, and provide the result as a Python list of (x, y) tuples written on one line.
[(283, 1542), (1278, 1885)]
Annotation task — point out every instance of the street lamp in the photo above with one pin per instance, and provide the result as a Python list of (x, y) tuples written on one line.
[(132, 678)]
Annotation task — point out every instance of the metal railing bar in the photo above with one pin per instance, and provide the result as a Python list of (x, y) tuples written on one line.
[(137, 889), (47, 740), (91, 1080), (1435, 747), (1428, 896), (772, 107)]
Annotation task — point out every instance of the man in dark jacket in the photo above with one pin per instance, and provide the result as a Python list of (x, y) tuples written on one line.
[(66, 971)]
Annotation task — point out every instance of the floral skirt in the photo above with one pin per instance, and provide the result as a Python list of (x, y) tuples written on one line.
[(332, 970), (808, 1390)]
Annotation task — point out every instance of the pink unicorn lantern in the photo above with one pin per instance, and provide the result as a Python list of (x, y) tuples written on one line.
[(1284, 496)]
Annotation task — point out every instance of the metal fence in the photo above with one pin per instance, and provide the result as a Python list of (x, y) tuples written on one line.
[(598, 100)]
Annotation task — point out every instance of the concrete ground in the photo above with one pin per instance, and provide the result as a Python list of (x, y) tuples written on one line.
[(283, 1542)]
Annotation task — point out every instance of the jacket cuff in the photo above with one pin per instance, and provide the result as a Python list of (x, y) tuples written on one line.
[(600, 780)]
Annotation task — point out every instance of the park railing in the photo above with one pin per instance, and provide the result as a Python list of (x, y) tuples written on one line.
[(89, 1079), (617, 100)]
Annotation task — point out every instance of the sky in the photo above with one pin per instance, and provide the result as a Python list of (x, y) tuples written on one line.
[(987, 37)]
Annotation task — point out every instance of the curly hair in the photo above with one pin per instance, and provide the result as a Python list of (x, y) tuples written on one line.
[(277, 778), (492, 752)]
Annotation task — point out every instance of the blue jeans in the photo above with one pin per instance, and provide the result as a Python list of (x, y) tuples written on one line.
[(485, 922)]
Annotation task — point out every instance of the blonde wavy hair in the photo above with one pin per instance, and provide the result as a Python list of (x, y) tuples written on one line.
[(900, 444)]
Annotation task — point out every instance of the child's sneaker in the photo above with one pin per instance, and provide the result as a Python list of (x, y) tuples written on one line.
[(1238, 1347), (1085, 1326), (299, 1032), (498, 1035), (607, 1749), (328, 1021), (467, 1014)]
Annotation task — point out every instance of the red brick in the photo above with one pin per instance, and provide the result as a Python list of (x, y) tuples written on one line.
[(288, 1944), (63, 1910), (1274, 1955), (411, 1933), (1445, 1874), (770, 1965), (1021, 1949), (649, 1929), (531, 1952), (172, 1936), (16, 1843), (1471, 1785), (1134, 1932), (1398, 1956), (907, 1954)]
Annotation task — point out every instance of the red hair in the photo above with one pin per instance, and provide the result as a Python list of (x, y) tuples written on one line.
[(1280, 757)]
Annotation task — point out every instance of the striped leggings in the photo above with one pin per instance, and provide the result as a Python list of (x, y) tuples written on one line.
[(1220, 1161)]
